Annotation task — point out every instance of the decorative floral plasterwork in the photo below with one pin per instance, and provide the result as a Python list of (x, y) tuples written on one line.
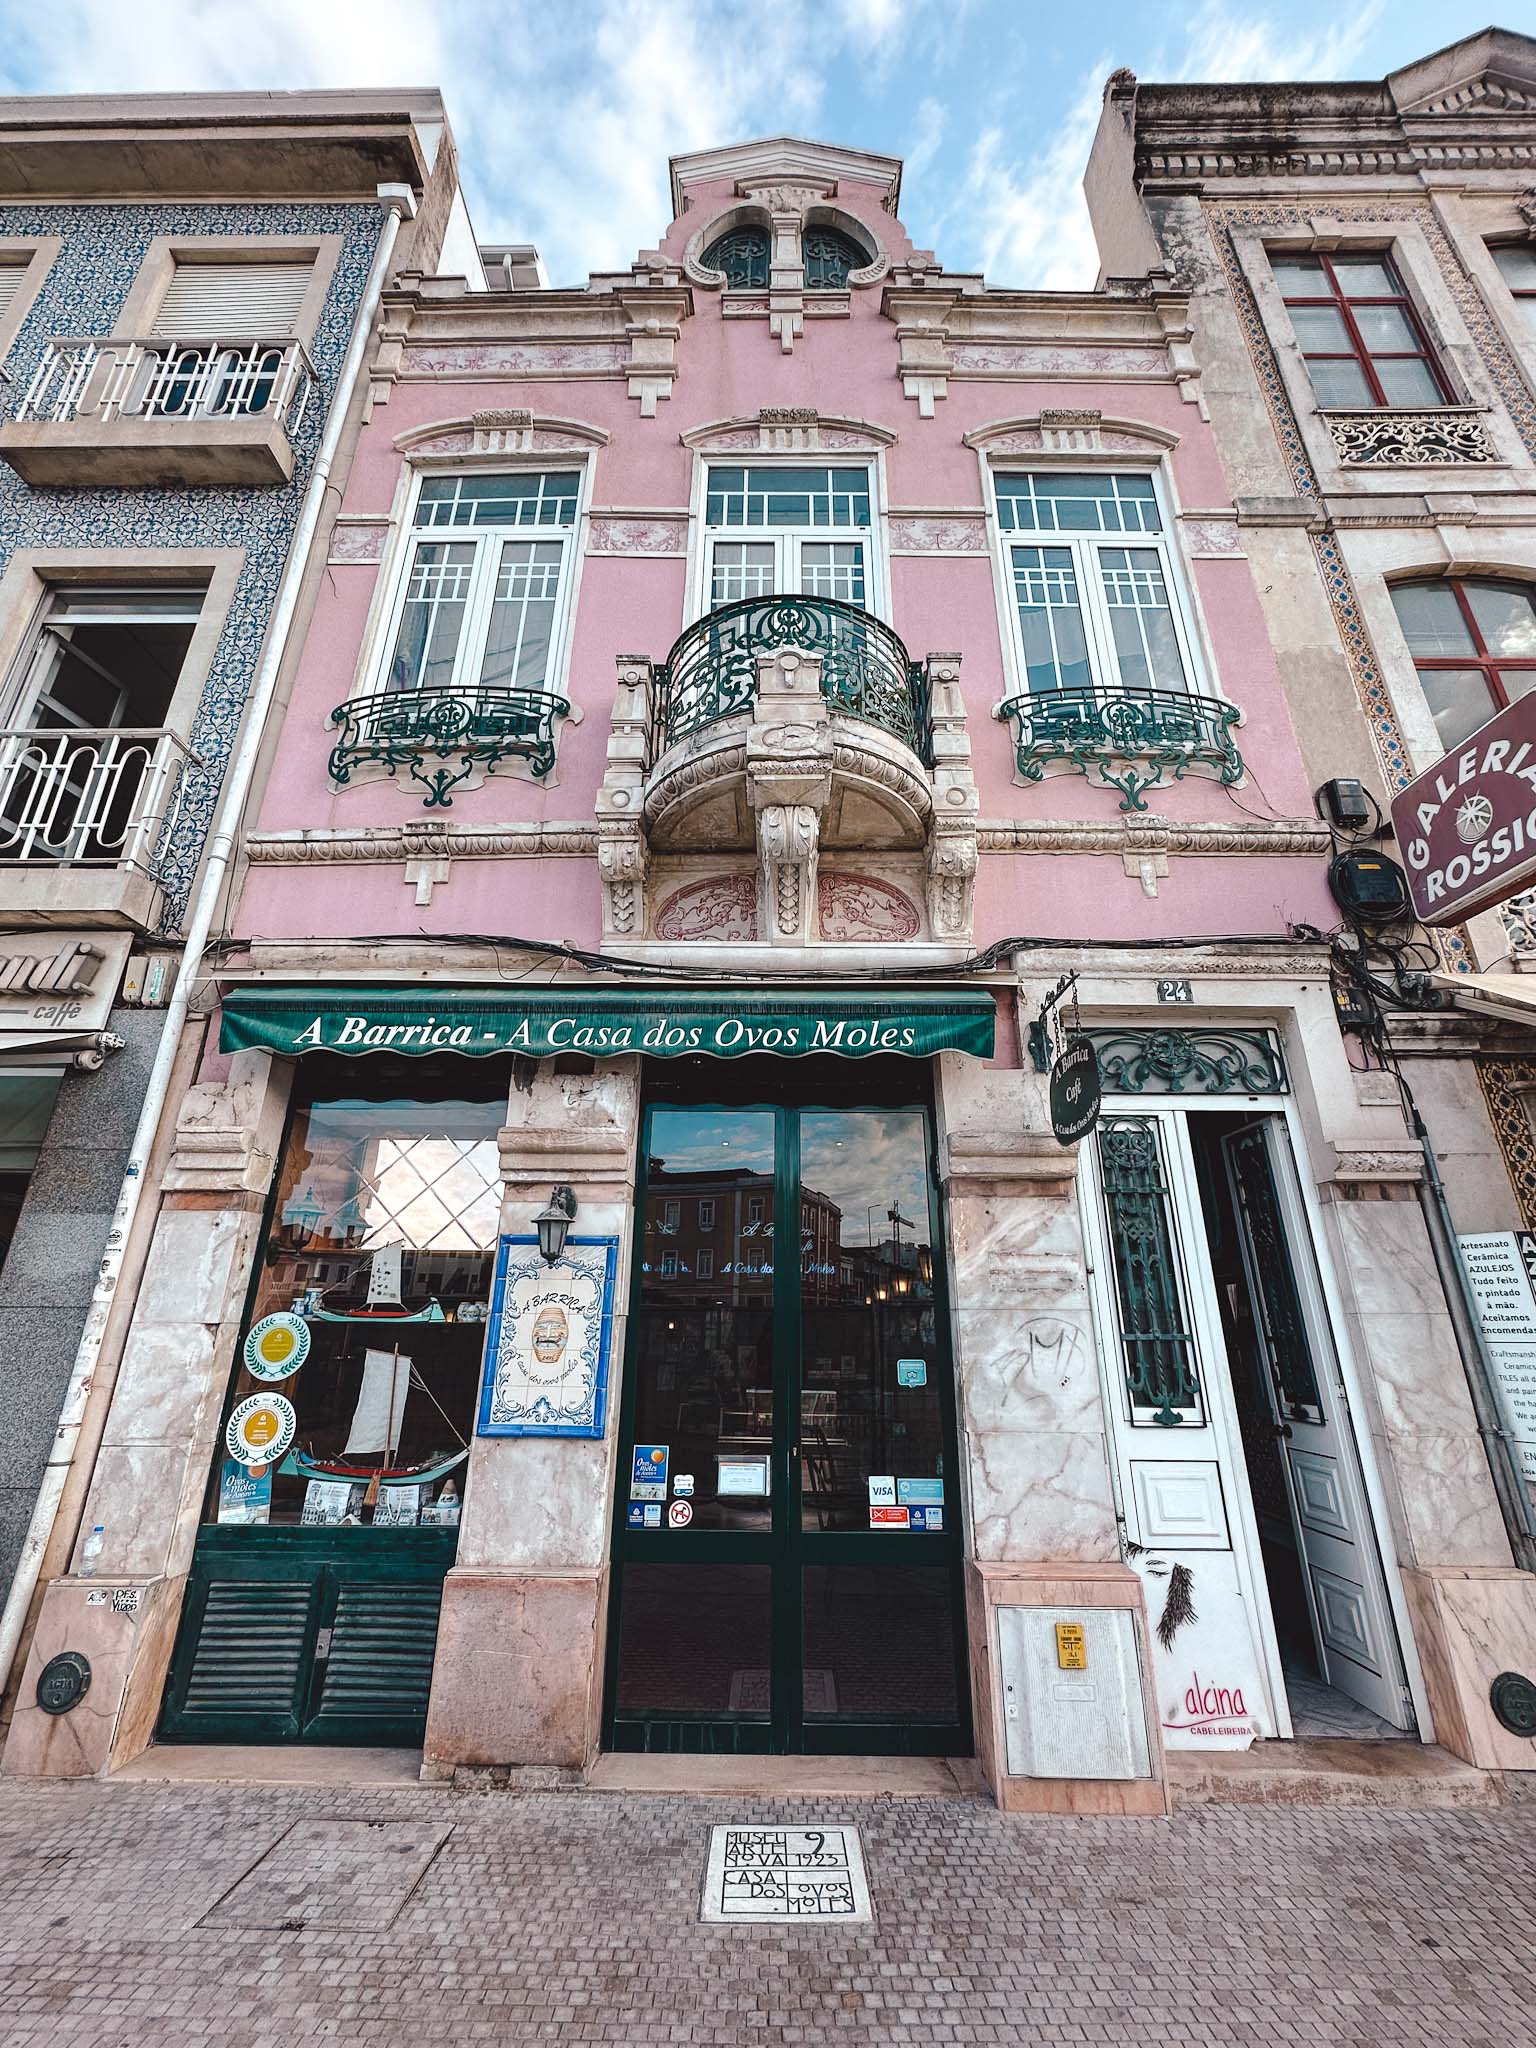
[(505, 430), (786, 429), (718, 911), (863, 909), (618, 535), (512, 358), (924, 534), (1212, 537), (363, 541)]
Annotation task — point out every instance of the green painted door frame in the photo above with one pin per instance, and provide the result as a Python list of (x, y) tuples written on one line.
[(788, 1548)]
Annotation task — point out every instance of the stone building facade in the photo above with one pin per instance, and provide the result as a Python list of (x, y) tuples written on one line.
[(637, 1268)]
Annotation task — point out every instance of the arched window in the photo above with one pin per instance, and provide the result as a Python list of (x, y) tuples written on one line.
[(743, 255), (1474, 645), (829, 257)]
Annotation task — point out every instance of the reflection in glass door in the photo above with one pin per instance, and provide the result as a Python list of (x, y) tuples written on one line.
[(787, 1544)]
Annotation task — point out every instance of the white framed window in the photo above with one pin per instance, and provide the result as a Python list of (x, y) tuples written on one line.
[(1091, 589), (671, 1217), (805, 528), (706, 1215), (669, 1266), (705, 1267), (484, 592), (754, 1211)]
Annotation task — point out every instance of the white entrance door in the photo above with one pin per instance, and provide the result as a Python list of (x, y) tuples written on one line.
[(1181, 1476), (1351, 1621)]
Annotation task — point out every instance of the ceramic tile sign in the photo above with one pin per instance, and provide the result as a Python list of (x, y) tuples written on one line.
[(785, 1874), (548, 1339), (1501, 1265)]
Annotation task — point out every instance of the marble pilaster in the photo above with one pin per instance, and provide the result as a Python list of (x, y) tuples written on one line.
[(517, 1680)]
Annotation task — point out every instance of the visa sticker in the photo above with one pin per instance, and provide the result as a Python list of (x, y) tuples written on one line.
[(882, 1490)]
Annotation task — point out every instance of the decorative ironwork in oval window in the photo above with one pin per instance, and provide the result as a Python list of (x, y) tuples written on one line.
[(743, 255), (829, 257)]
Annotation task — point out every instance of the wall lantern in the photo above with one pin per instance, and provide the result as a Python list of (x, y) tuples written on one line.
[(553, 1222)]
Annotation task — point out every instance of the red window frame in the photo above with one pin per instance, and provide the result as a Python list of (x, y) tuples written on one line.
[(1483, 659), (1358, 352)]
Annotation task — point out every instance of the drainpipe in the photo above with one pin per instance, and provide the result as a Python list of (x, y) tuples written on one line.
[(400, 202), (1514, 1498)]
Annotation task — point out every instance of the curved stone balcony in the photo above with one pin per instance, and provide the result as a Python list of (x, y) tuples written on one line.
[(1129, 740), (789, 727)]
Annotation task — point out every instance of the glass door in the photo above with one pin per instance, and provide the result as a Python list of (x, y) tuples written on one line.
[(787, 1544)]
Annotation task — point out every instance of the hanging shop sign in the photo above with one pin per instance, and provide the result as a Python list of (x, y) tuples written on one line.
[(1501, 1265), (1076, 1092), (1467, 826), (605, 1023), (261, 1429), (549, 1336), (276, 1346)]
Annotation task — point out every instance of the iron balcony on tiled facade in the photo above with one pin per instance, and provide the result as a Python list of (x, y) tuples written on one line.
[(126, 412)]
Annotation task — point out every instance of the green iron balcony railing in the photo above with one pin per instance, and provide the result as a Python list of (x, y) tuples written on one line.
[(441, 736), (1130, 740), (866, 672)]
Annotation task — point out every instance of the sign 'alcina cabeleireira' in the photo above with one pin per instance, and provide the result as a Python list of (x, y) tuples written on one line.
[(1467, 826)]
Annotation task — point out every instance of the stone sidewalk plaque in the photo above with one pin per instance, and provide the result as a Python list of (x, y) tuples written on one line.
[(785, 1875)]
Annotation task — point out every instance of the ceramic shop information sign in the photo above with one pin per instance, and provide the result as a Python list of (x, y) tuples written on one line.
[(1467, 827), (548, 1339), (1501, 1265)]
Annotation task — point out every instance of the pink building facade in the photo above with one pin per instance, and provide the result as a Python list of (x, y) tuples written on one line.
[(758, 710)]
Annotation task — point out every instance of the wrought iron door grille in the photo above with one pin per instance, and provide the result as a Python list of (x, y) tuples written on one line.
[(1158, 1346), (1200, 1061)]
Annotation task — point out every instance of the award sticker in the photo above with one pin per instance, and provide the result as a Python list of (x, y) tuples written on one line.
[(261, 1429), (277, 1346)]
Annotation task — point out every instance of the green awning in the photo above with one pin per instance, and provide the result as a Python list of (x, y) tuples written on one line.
[(604, 1023)]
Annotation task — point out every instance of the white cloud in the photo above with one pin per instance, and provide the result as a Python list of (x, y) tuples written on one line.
[(1224, 45), (1025, 223)]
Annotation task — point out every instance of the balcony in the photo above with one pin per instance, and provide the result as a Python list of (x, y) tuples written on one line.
[(441, 739), (1411, 437), (85, 817), (1129, 740), (866, 672), (121, 412), (800, 780)]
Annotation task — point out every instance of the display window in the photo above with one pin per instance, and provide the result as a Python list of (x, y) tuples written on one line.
[(353, 1398)]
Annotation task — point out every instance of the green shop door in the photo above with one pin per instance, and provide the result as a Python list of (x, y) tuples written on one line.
[(787, 1546)]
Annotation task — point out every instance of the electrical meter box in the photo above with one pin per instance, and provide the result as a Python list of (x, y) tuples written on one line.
[(1072, 1696)]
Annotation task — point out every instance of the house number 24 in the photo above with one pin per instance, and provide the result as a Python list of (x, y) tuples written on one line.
[(1175, 992)]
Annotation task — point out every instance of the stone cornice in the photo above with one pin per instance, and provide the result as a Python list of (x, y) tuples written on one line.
[(324, 848), (1070, 835)]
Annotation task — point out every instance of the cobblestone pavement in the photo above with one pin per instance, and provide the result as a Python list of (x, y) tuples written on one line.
[(572, 1918)]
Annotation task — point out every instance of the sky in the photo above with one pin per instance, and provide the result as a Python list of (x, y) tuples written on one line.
[(566, 114)]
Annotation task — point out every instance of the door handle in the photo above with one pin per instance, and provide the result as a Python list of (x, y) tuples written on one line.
[(1283, 1429)]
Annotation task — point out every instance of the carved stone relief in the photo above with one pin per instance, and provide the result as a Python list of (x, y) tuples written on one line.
[(863, 909), (719, 910)]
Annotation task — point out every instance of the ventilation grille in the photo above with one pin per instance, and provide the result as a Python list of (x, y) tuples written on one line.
[(250, 1648), (382, 1643)]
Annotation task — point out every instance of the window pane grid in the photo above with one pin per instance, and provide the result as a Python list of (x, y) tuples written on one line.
[(742, 569), (519, 498), (1466, 676), (1141, 619), (1050, 619), (1048, 502), (833, 569), (517, 644), (1369, 310), (818, 497), (432, 619)]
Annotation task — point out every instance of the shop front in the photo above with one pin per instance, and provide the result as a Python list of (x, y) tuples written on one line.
[(426, 1400)]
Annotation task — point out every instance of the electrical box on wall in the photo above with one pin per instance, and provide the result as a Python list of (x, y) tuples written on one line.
[(1072, 1697)]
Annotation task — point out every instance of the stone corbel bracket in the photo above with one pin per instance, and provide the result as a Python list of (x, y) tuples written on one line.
[(622, 853), (923, 361), (228, 1132), (1172, 310), (1384, 1173), (973, 1161), (786, 203), (653, 326), (952, 844), (789, 785)]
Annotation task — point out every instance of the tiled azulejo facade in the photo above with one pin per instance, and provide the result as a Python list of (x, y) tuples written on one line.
[(103, 247)]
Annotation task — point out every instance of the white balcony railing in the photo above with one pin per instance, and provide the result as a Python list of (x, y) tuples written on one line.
[(190, 381), (76, 797)]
